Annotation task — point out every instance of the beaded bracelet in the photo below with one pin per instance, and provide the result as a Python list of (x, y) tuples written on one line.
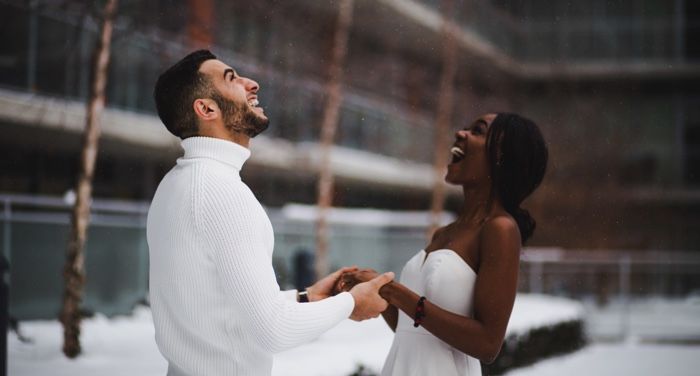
[(420, 312)]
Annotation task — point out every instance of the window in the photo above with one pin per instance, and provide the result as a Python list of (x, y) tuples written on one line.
[(691, 141)]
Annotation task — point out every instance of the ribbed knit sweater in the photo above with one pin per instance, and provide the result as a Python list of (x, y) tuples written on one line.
[(217, 307)]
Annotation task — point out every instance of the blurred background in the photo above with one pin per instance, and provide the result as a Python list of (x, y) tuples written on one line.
[(614, 86)]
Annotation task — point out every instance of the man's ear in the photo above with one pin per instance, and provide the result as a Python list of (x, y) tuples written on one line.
[(206, 109)]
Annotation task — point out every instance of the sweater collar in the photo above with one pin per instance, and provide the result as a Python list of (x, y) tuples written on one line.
[(224, 151)]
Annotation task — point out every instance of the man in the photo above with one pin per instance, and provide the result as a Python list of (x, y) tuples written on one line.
[(217, 307)]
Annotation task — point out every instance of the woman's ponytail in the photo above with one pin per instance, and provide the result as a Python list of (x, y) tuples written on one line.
[(526, 223)]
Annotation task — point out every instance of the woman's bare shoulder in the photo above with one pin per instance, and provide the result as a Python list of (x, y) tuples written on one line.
[(500, 222), (501, 235)]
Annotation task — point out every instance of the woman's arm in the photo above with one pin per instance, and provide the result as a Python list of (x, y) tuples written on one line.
[(496, 284), (391, 316)]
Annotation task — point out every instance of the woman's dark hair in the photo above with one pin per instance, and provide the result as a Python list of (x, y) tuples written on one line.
[(176, 90), (517, 156)]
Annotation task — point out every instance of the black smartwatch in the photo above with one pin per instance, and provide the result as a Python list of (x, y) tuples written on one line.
[(303, 296)]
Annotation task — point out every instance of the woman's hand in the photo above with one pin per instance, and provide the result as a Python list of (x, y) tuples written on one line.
[(349, 279), (325, 287)]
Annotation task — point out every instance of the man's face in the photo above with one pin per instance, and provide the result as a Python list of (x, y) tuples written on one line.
[(237, 97)]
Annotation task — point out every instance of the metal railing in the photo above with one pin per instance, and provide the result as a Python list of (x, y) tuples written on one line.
[(34, 238), (35, 230), (649, 295)]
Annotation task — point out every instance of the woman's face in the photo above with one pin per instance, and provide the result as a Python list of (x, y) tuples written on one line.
[(469, 165)]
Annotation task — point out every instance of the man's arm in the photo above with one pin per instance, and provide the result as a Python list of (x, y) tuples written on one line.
[(322, 289), (227, 223)]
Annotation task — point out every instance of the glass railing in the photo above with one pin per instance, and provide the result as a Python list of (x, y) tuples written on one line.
[(34, 232)]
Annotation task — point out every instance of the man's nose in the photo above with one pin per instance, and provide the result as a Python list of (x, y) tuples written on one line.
[(252, 86)]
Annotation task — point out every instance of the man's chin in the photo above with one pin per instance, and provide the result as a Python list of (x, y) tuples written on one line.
[(257, 132), (258, 125)]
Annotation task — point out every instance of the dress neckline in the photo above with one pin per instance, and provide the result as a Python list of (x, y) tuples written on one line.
[(427, 254)]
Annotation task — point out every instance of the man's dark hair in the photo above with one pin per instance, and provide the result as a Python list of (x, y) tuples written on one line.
[(176, 90)]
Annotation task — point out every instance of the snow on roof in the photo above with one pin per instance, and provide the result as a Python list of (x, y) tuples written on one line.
[(346, 163), (536, 311), (364, 217)]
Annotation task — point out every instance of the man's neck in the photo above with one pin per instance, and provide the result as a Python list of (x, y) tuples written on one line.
[(219, 132)]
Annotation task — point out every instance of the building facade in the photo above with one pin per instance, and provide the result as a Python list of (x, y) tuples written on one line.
[(613, 85)]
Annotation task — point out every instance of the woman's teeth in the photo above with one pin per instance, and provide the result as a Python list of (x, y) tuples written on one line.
[(457, 154)]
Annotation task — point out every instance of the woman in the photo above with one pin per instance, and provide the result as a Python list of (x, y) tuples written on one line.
[(452, 305)]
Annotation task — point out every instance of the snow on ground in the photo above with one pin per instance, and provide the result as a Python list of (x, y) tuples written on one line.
[(126, 346), (111, 347), (620, 359), (339, 351)]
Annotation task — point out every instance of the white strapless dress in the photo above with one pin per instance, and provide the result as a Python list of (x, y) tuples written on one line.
[(447, 281)]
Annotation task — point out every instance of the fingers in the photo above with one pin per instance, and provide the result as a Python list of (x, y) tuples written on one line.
[(372, 307), (343, 270), (346, 269), (382, 279)]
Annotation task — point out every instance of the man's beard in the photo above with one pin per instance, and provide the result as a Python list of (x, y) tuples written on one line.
[(240, 118)]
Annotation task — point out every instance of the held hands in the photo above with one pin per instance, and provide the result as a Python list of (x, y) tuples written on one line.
[(350, 278), (324, 287), (368, 303), (363, 284)]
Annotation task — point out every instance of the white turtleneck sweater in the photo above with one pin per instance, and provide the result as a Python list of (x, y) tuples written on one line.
[(217, 307)]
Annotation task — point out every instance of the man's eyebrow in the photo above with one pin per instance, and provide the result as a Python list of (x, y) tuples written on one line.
[(229, 70)]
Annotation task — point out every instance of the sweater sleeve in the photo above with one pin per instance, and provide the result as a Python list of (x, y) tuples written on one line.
[(230, 224), (291, 294)]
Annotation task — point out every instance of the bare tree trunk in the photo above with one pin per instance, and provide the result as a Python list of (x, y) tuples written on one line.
[(328, 127), (73, 271), (443, 119), (200, 23)]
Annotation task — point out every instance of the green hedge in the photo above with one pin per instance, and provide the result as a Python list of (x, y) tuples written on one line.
[(537, 344)]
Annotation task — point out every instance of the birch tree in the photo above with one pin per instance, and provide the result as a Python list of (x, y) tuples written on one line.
[(329, 125), (74, 273)]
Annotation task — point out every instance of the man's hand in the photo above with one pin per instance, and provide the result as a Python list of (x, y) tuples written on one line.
[(323, 288), (368, 303)]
